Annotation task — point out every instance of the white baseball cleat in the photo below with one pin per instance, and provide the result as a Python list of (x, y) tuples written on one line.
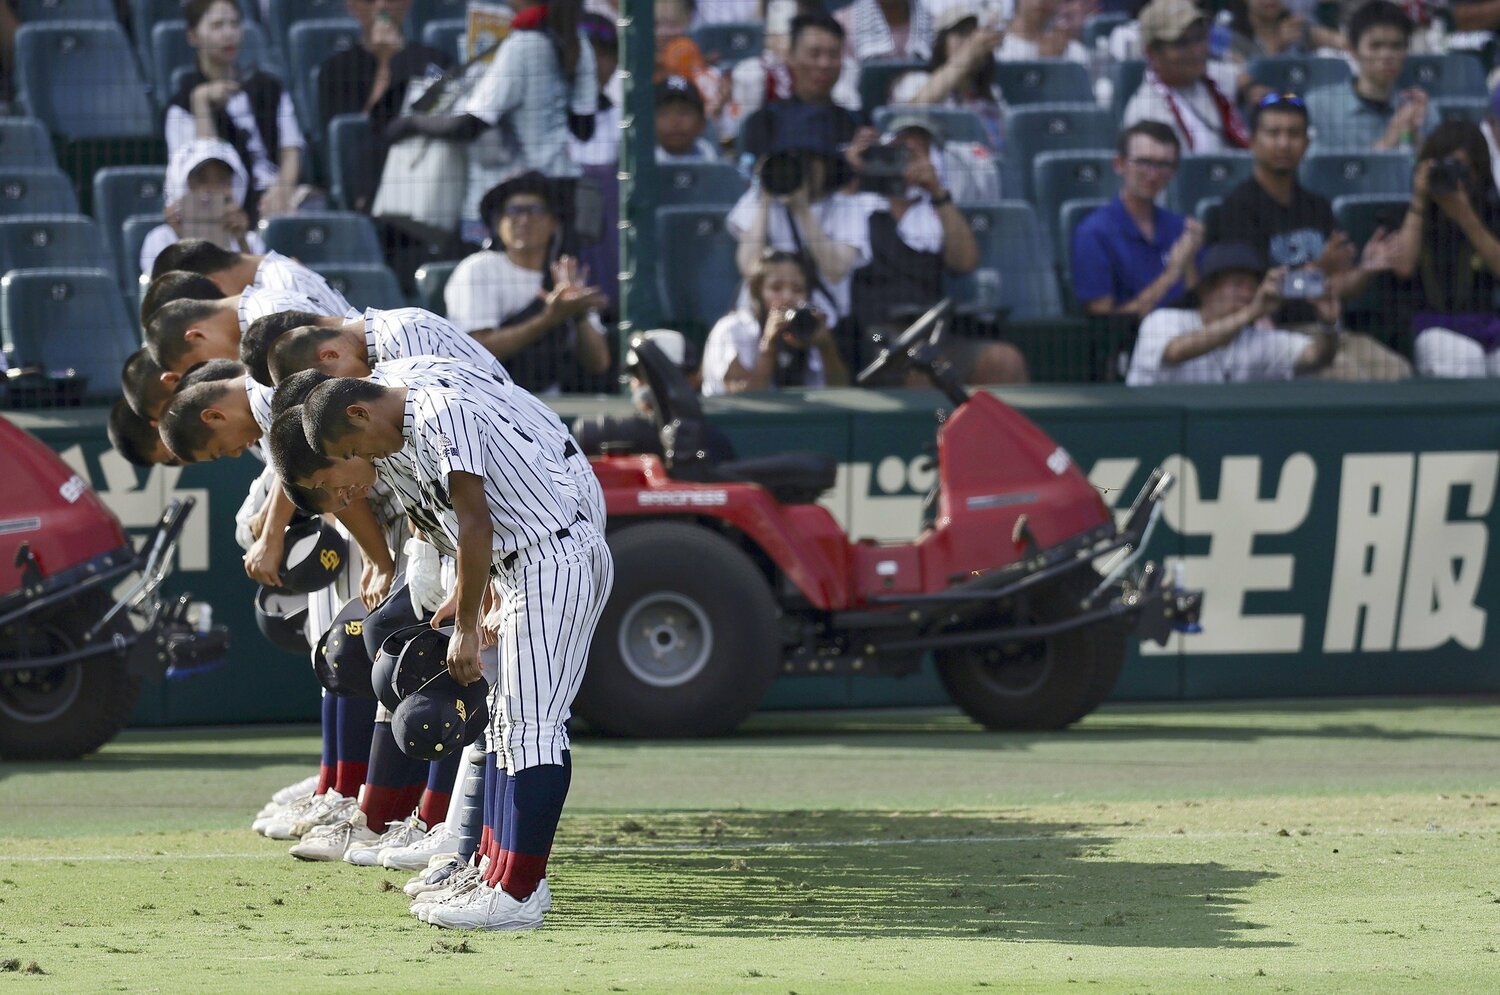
[(459, 887), (292, 792), (435, 876), (333, 841), (335, 808), (419, 853), (280, 826), (397, 834), (487, 908)]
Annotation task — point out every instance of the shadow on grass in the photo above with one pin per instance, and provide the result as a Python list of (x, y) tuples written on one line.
[(863, 875)]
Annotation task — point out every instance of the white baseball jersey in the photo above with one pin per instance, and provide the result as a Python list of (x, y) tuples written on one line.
[(259, 397), (256, 304), (402, 333), (278, 272)]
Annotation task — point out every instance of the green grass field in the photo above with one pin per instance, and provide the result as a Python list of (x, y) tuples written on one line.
[(1329, 846)]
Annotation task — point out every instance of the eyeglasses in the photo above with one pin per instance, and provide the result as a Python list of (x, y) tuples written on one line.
[(1282, 100), (1160, 165), (524, 210)]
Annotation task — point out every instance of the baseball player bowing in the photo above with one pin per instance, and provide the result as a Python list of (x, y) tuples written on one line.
[(518, 517)]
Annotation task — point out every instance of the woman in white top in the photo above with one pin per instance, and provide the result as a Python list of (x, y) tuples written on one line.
[(961, 73), (205, 193), (759, 348), (1038, 33)]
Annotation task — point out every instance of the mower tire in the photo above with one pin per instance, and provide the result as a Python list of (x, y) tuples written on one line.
[(689, 642), (68, 711), (1040, 684)]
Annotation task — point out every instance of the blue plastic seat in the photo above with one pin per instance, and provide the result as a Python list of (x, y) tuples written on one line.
[(877, 76), (364, 284), (284, 15), (52, 241), (316, 237), (1030, 131), (132, 237), (79, 78), (1359, 215), (121, 192), (446, 36), (36, 191), (170, 51), (32, 11), (310, 43), (68, 319), (1044, 81), (432, 281), (1470, 109), (1456, 74), (1069, 217), (700, 183), (955, 123), (729, 42), (1210, 174), (146, 15), (1335, 174), (1125, 78), (351, 141), (1060, 177), (24, 142), (1298, 73), (696, 276), (1207, 213), (1011, 246)]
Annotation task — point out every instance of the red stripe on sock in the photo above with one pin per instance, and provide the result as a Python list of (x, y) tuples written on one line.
[(433, 807), (349, 776), (523, 872), (325, 779), (382, 806)]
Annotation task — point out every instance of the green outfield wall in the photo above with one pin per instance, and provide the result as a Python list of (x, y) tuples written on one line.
[(1341, 532)]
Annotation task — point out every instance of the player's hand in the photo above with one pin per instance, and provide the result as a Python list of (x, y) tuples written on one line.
[(263, 558), (446, 611), (375, 583), (258, 522), (492, 618), (463, 656)]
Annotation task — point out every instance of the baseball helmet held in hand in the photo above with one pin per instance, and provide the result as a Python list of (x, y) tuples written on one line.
[(340, 660), (281, 617), (383, 673), (441, 719), (314, 555)]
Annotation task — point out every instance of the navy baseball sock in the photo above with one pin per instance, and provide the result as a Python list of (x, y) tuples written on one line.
[(488, 806), (330, 743), (502, 785), (441, 774), (393, 783), (533, 808), (356, 728)]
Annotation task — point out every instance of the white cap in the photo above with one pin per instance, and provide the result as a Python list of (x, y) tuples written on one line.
[(190, 157)]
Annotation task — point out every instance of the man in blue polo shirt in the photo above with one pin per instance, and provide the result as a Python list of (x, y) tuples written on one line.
[(1131, 256)]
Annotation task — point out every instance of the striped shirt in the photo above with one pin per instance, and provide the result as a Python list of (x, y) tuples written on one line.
[(256, 304), (278, 272), (259, 397), (402, 333)]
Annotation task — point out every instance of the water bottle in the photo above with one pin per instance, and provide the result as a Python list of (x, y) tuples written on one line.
[(987, 289), (1099, 66), (1220, 35)]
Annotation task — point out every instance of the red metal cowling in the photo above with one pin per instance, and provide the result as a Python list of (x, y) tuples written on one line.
[(44, 503)]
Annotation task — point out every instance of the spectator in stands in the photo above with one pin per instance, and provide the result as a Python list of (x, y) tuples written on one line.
[(371, 78), (759, 347), (803, 59), (798, 204), (1182, 88), (1229, 338), (530, 307), (1132, 256), (917, 234), (1448, 248), (961, 72), (598, 160), (965, 169), (251, 111), (539, 87), (886, 29), (1038, 33), (205, 197), (1294, 228), (680, 123), (1266, 28), (1367, 112), (678, 55)]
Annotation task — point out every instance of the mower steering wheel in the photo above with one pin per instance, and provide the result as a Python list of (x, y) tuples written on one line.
[(905, 350)]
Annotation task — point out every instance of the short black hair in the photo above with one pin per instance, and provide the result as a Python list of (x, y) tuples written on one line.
[(1154, 130), (182, 425), (177, 285), (1377, 14), (292, 391), (255, 344), (210, 370), (819, 21), (166, 332), (195, 255), (308, 500), (140, 379), (297, 350), (133, 437), (324, 414), (1260, 110), (292, 457)]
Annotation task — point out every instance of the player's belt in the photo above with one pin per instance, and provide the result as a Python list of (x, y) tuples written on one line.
[(570, 450), (509, 560)]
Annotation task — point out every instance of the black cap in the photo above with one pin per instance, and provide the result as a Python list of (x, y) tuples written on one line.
[(341, 661), (394, 613), (281, 617), (383, 673), (441, 719), (314, 555), (680, 90), (1230, 257), (423, 658), (532, 182)]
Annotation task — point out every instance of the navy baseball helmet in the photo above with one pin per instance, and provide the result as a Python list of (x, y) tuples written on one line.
[(441, 719), (340, 659), (383, 673), (422, 659), (281, 617), (393, 614), (314, 554)]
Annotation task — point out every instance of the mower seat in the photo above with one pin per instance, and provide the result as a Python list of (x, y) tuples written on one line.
[(792, 478)]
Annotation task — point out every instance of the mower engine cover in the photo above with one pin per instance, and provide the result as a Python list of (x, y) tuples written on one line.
[(340, 660), (282, 618), (314, 553)]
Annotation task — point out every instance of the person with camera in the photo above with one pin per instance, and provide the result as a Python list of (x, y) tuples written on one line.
[(778, 340), (961, 71), (1448, 248), (1229, 337), (205, 197)]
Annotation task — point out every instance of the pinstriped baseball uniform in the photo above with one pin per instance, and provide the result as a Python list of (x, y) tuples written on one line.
[(256, 304), (278, 272)]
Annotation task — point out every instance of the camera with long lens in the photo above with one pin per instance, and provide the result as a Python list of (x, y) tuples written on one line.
[(782, 174), (883, 169), (1448, 174), (801, 324)]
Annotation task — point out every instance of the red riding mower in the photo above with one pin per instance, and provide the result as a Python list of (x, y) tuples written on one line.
[(72, 654), (729, 574)]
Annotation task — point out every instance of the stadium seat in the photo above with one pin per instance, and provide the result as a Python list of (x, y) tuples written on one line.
[(52, 241), (316, 237), (1010, 246), (1211, 174), (1030, 131), (877, 76), (1298, 73), (697, 278), (1102, 25), (1334, 174), (351, 141), (170, 51), (1359, 215), (446, 36), (284, 15), (364, 284), (122, 192), (955, 123), (1470, 109), (68, 319), (1059, 177), (432, 280), (146, 15), (132, 236), (79, 78), (1207, 213), (1070, 216), (24, 143), (310, 43), (36, 191), (1044, 81), (1453, 75), (699, 183), (425, 13), (729, 42), (1125, 78), (31, 11)]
